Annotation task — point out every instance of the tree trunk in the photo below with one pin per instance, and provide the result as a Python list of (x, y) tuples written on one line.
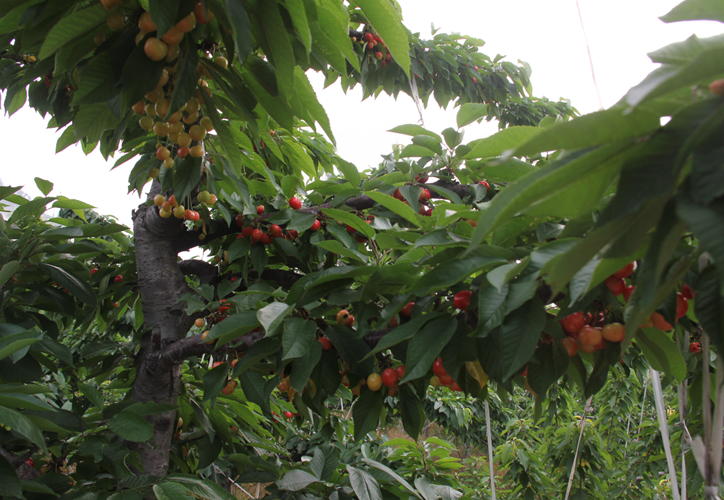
[(160, 283)]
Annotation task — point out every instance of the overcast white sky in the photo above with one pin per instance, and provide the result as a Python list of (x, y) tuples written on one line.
[(546, 34)]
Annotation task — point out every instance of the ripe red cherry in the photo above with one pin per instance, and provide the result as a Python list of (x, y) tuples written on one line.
[(695, 347), (687, 292), (485, 183), (350, 229), (316, 225), (295, 203), (446, 379), (275, 231), (326, 343), (625, 271), (420, 179), (682, 306), (292, 234), (407, 310), (260, 210), (616, 285), (398, 195), (438, 368), (627, 292), (256, 234), (462, 299), (369, 37), (344, 318), (573, 323), (30, 462), (400, 371), (266, 239), (389, 377), (424, 195), (288, 414), (247, 231), (659, 322), (118, 279), (239, 220)]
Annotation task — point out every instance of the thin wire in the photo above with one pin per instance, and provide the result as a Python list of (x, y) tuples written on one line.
[(590, 59)]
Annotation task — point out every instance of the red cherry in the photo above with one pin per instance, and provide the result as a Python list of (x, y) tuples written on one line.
[(407, 310), (30, 462), (239, 220), (292, 234), (421, 180), (398, 195), (295, 203), (118, 279), (350, 229), (462, 299), (424, 195), (326, 343), (266, 239), (446, 379), (627, 292), (247, 231), (256, 235), (625, 271), (682, 306), (485, 183), (288, 414), (369, 37), (475, 80), (189, 214), (260, 210), (183, 152), (316, 225), (695, 347), (437, 368), (389, 377), (93, 271), (687, 292), (275, 231), (400, 371), (616, 285), (573, 323), (659, 322)]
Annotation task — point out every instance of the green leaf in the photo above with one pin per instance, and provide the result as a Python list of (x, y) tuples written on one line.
[(695, 10), (214, 381), (139, 76), (22, 426), (400, 334), (29, 208), (8, 270), (385, 20), (452, 272), (594, 129), (411, 412), (519, 335), (281, 52), (505, 140), (15, 343), (66, 139), (254, 387), (72, 26), (470, 112), (187, 76), (352, 351), (415, 130), (510, 170), (76, 286), (169, 491), (186, 177), (392, 474), (272, 315), (426, 345), (428, 142), (202, 487), (491, 308), (233, 154), (163, 14), (661, 352), (243, 42), (339, 248), (709, 304), (97, 82), (295, 480), (397, 207), (543, 184), (298, 337), (299, 19), (131, 427), (93, 395), (705, 222), (351, 220), (6, 191), (44, 186)]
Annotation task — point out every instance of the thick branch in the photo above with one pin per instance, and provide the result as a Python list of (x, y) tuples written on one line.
[(205, 271), (177, 352)]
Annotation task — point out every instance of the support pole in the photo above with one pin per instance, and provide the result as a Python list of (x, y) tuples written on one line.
[(664, 428), (491, 469), (578, 447)]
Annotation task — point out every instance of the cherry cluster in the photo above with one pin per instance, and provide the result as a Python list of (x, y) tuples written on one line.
[(423, 198), (275, 231), (442, 377), (170, 206), (376, 46)]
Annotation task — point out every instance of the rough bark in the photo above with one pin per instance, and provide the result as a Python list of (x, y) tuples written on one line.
[(160, 283)]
